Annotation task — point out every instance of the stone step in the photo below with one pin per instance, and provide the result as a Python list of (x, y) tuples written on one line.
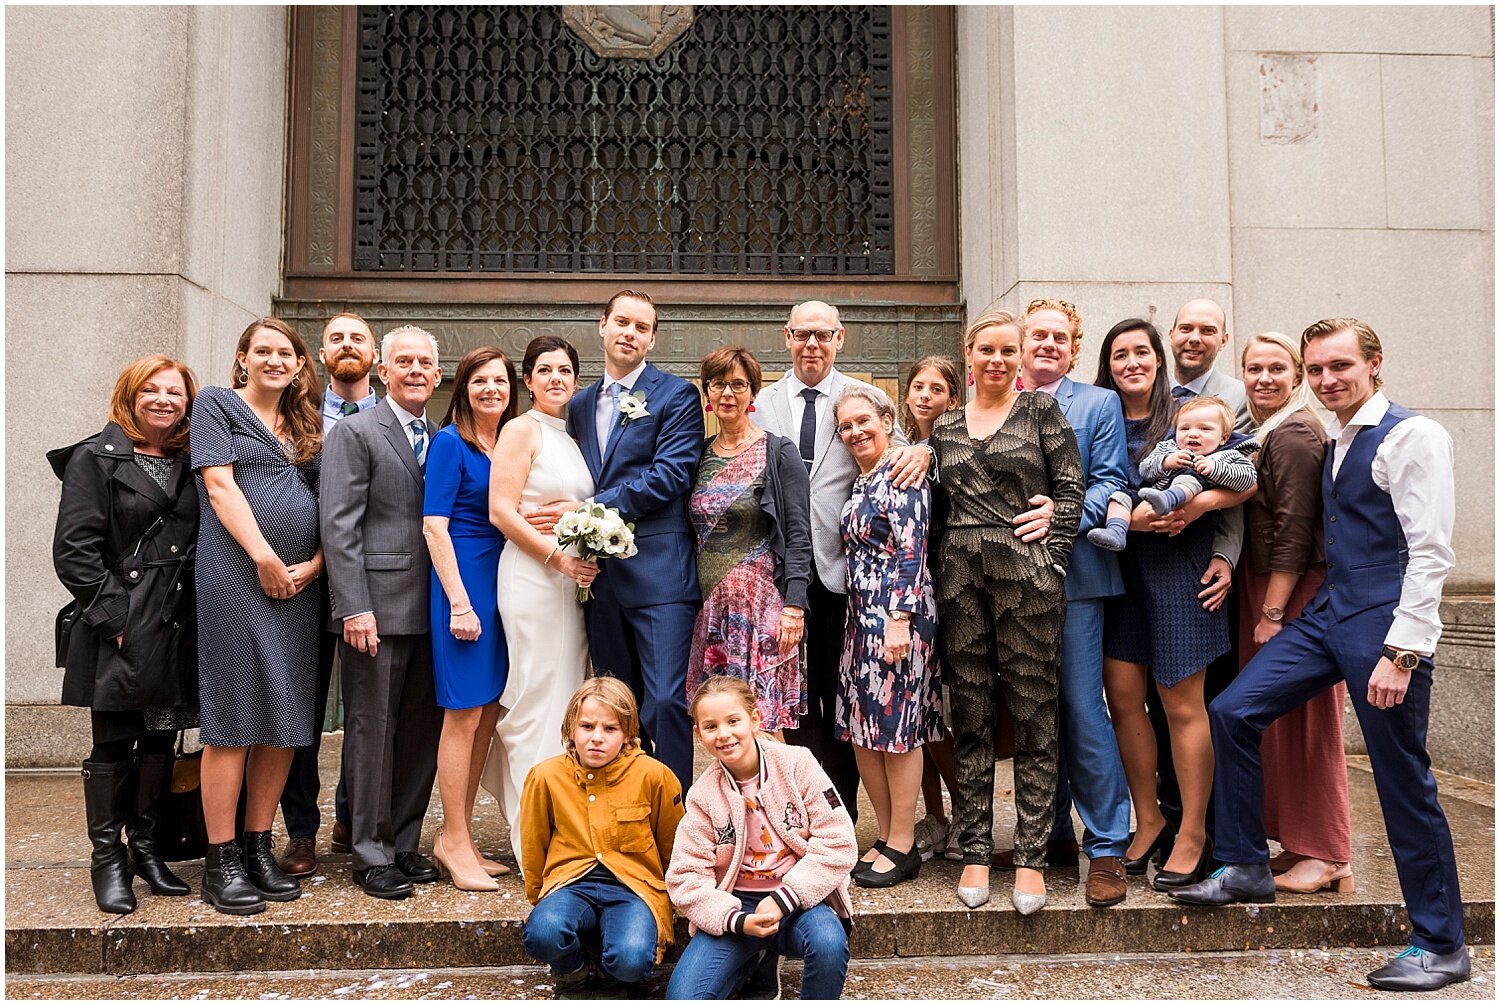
[(53, 927), (1290, 974)]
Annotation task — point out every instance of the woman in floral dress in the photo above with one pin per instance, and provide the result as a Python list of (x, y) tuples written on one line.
[(888, 702), (751, 516)]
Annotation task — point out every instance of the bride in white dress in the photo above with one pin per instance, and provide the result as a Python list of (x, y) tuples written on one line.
[(535, 461)]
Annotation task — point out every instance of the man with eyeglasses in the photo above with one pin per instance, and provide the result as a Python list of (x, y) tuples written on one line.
[(799, 406)]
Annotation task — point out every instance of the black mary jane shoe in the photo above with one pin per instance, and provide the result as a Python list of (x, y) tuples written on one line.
[(1165, 881), (1161, 850), (907, 865), (880, 847)]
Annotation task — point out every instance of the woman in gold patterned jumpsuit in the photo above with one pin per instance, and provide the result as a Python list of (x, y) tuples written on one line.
[(1000, 599)]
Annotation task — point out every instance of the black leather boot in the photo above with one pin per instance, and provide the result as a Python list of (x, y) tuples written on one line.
[(225, 886), (107, 796), (262, 870), (153, 776)]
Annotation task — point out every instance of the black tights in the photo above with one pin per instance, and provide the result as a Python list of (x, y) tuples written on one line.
[(115, 741)]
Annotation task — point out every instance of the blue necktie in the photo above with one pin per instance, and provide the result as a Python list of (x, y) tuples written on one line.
[(807, 441), (1181, 394), (419, 441)]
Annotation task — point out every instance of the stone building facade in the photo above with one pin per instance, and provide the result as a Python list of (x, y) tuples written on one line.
[(172, 173)]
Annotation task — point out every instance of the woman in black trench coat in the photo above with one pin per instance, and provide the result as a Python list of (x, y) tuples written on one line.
[(126, 526)]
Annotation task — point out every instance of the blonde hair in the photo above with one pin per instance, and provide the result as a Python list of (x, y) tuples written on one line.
[(1068, 311), (613, 695), (723, 684), (1369, 342), (1207, 402), (988, 319), (132, 379), (1301, 396)]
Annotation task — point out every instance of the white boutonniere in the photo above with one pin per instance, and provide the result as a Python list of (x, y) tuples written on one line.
[(632, 407)]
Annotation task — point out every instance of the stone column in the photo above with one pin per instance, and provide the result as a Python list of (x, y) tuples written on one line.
[(1094, 161), (145, 157)]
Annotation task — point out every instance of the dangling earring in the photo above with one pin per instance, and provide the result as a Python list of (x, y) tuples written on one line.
[(709, 407), (242, 375), (971, 380), (297, 379), (751, 408)]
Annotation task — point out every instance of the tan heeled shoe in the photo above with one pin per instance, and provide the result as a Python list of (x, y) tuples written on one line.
[(489, 865), (465, 879), (1337, 875), (1284, 861)]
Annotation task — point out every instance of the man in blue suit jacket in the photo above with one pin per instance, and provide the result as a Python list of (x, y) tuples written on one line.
[(1088, 758), (643, 454)]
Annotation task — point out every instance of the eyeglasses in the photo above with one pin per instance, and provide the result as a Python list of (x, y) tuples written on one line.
[(737, 386), (823, 335)]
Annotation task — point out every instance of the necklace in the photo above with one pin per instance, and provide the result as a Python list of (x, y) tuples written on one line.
[(863, 477), (730, 449)]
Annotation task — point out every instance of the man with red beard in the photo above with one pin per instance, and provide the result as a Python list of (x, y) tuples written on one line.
[(348, 356)]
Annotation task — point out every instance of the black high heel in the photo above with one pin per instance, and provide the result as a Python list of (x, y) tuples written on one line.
[(1161, 850), (1165, 880)]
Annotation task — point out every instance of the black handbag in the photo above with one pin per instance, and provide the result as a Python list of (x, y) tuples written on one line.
[(181, 833), (62, 631)]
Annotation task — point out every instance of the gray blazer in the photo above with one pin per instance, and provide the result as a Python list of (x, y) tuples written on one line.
[(370, 513), (1229, 538), (833, 471)]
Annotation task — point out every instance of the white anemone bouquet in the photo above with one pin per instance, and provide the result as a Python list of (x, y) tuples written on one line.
[(596, 531)]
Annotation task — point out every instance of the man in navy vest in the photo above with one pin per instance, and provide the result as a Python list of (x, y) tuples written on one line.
[(1388, 502)]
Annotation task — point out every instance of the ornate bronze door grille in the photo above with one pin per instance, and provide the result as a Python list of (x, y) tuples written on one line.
[(493, 140)]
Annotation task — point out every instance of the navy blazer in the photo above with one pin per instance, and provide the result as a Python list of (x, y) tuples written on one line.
[(1098, 422), (646, 471)]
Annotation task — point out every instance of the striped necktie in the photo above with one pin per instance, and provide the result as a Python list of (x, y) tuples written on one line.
[(419, 441)]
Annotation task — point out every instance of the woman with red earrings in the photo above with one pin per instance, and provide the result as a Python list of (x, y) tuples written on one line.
[(751, 514)]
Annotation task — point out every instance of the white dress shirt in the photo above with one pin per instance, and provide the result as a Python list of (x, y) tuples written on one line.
[(1414, 465), (407, 419), (604, 408), (798, 403)]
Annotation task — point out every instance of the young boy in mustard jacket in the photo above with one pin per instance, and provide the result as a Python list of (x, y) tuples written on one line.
[(597, 823)]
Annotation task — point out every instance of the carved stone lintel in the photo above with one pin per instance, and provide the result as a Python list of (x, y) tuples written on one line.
[(628, 31)]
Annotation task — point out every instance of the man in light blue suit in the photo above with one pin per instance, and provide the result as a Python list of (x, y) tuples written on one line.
[(1089, 760), (641, 433)]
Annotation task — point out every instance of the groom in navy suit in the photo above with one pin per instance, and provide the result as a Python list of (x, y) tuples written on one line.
[(641, 433)]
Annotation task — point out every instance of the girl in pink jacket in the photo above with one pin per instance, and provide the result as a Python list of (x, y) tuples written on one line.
[(760, 866)]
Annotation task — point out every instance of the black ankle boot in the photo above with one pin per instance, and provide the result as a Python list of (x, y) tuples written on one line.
[(106, 797), (262, 870), (153, 776), (225, 887)]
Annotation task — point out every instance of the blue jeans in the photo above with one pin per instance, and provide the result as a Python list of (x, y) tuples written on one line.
[(1089, 770), (599, 912), (712, 965)]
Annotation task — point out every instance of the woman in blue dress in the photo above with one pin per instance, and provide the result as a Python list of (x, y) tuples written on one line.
[(256, 447), (1159, 625), (469, 660)]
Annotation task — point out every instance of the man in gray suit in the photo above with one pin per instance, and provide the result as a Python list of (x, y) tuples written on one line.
[(799, 406), (378, 571)]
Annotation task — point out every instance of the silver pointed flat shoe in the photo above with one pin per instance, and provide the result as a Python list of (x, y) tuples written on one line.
[(974, 896), (1027, 903)]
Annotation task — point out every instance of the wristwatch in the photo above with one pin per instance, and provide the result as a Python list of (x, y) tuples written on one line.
[(1273, 613), (1404, 659), (900, 615)]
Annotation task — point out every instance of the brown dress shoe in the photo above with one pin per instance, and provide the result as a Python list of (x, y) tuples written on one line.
[(339, 842), (300, 857), (1106, 882), (1059, 855)]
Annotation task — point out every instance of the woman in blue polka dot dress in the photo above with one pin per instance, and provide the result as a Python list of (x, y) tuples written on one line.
[(255, 447)]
